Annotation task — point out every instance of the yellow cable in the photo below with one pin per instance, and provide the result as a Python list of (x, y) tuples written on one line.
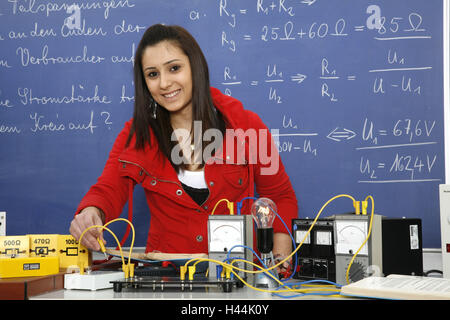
[(105, 228), (312, 226), (261, 269), (288, 289), (281, 284), (303, 240), (217, 203), (231, 266), (133, 234)]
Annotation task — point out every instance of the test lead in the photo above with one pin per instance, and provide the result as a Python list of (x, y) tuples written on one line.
[(364, 205), (182, 273), (102, 247), (357, 206)]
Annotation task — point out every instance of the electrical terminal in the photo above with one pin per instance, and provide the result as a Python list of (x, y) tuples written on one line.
[(182, 273), (126, 270), (191, 272), (357, 206), (239, 206), (364, 205), (230, 206), (219, 271), (227, 272), (81, 265), (131, 269), (102, 247)]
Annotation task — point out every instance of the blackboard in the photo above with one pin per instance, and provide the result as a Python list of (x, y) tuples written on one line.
[(353, 90)]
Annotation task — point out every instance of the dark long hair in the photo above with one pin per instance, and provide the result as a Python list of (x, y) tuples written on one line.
[(203, 108)]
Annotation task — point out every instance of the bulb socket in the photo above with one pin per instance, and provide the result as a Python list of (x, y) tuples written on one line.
[(264, 237)]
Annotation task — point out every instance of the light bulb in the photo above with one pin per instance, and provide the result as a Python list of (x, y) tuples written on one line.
[(263, 212)]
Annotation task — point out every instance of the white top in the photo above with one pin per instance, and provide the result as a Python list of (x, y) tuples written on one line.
[(193, 179)]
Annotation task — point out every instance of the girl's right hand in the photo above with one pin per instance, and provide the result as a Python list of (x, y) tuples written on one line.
[(88, 217)]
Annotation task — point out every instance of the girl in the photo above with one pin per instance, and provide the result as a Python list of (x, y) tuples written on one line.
[(184, 174)]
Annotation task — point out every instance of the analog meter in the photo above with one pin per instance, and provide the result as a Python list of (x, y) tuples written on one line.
[(230, 232), (350, 236)]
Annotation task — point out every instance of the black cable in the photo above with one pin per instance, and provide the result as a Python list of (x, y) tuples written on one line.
[(432, 271)]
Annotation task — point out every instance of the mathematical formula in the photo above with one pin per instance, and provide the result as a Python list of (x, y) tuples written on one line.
[(315, 63)]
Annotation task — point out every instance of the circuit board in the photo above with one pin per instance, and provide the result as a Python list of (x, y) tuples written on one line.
[(174, 283)]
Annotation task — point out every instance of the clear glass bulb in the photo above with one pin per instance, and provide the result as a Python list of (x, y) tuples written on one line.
[(263, 212)]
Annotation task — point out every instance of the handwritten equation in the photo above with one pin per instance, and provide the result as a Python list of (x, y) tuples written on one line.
[(295, 60), (396, 73)]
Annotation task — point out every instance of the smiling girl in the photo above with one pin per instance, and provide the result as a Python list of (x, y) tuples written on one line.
[(172, 94)]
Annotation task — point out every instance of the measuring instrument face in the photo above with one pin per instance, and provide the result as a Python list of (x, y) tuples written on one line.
[(350, 235), (229, 232), (225, 234)]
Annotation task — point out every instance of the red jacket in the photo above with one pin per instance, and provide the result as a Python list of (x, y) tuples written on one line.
[(178, 224)]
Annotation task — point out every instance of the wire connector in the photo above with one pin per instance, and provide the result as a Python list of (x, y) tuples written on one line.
[(183, 272), (364, 205), (191, 272), (102, 247), (227, 272), (357, 206), (230, 206), (81, 265), (131, 269), (126, 270)]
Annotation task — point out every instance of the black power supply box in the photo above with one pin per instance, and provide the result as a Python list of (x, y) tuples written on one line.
[(401, 248)]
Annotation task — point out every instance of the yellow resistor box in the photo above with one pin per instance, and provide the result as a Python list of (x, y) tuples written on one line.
[(63, 248), (28, 267), (42, 245), (14, 246), (69, 255)]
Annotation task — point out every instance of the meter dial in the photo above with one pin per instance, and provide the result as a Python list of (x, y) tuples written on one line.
[(301, 234), (224, 235), (350, 236), (323, 238)]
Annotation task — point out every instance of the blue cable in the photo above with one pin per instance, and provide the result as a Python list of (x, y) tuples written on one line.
[(338, 286), (239, 205), (293, 242), (246, 247), (228, 258), (319, 280), (307, 294), (239, 208)]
